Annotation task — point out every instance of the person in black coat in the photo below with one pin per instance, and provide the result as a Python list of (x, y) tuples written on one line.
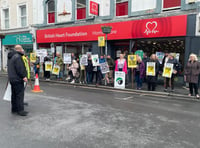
[(17, 75), (89, 71), (46, 73), (176, 68), (151, 80)]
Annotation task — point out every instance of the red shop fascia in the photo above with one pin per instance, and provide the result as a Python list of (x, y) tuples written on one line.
[(173, 26)]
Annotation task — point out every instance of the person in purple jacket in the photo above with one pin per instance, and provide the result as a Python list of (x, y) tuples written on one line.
[(139, 72)]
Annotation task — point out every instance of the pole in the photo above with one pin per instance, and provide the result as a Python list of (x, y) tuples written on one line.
[(106, 50)]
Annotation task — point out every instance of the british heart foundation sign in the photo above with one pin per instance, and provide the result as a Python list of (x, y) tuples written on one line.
[(94, 8)]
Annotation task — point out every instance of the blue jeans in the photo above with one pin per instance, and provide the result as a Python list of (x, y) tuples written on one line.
[(138, 81), (89, 77)]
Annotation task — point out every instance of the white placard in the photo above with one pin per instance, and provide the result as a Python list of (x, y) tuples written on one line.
[(7, 94), (67, 58), (95, 60), (84, 60), (41, 53), (119, 79), (104, 68)]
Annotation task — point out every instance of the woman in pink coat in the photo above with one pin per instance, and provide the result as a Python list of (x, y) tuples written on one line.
[(121, 64), (74, 68)]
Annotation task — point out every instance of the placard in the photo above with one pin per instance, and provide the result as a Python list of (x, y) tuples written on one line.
[(150, 70), (32, 57), (168, 69), (48, 66), (67, 58), (84, 60), (104, 68), (119, 79), (56, 70), (160, 56), (95, 60), (41, 53), (101, 41), (7, 94), (132, 61)]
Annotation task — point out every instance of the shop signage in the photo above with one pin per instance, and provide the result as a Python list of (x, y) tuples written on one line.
[(94, 8), (13, 39), (147, 28)]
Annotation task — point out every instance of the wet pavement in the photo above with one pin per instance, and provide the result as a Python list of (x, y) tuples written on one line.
[(66, 116)]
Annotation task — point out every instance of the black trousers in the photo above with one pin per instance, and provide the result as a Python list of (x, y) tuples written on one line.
[(170, 82), (195, 87), (47, 74), (151, 86), (17, 96)]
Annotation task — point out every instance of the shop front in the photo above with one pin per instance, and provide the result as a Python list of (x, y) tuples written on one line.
[(10, 40), (150, 35)]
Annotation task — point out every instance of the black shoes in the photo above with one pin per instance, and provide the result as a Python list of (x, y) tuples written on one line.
[(20, 113)]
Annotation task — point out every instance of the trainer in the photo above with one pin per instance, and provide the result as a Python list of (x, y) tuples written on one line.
[(17, 75)]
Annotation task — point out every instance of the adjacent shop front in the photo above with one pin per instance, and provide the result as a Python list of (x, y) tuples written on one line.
[(10, 40)]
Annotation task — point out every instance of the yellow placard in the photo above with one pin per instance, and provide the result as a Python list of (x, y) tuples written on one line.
[(132, 61), (56, 70), (33, 57), (101, 41), (150, 70), (168, 69), (48, 66)]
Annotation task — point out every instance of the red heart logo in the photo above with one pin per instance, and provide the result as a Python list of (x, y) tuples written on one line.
[(151, 26)]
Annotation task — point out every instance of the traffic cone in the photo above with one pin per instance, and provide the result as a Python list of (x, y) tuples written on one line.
[(37, 86)]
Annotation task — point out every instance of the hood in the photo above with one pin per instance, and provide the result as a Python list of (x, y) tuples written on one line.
[(12, 53)]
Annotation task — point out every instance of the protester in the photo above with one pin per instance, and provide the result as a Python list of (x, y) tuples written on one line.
[(145, 60), (82, 74), (17, 75), (99, 75), (139, 72), (46, 73), (74, 69), (121, 64), (89, 71), (176, 68), (109, 75), (151, 80), (37, 66), (165, 59), (59, 62), (26, 63), (192, 71)]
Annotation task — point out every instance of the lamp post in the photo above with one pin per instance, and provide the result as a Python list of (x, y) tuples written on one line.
[(106, 30)]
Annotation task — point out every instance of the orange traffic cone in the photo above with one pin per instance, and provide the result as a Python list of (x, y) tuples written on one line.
[(37, 86)]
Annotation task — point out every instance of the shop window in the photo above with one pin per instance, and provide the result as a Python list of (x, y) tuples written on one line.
[(22, 16), (81, 9), (81, 13), (168, 4), (5, 22), (51, 11), (122, 8)]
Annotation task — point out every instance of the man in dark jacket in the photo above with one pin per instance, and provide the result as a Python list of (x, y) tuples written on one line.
[(176, 68), (17, 75)]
